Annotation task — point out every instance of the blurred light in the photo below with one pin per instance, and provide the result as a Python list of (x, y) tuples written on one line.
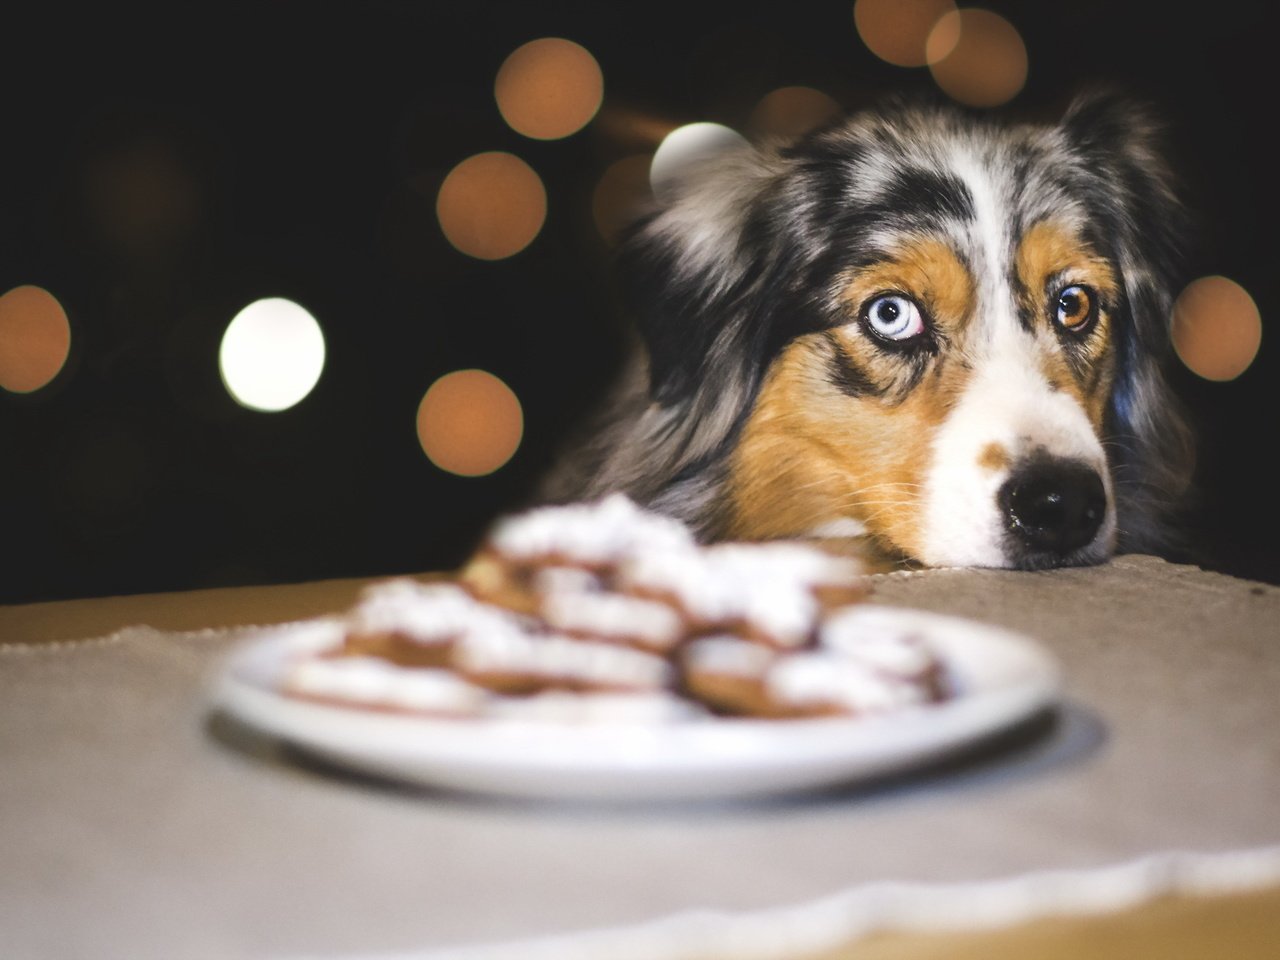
[(977, 57), (632, 129), (35, 339), (549, 88), (1217, 329), (469, 423), (622, 194), (897, 30), (792, 111), (271, 355), (491, 205), (684, 147)]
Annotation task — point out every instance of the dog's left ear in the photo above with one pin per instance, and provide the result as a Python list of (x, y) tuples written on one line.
[(1131, 197)]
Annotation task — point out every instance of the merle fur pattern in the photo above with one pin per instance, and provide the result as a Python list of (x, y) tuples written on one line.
[(749, 253)]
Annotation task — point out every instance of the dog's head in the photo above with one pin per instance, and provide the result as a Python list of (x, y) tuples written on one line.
[(920, 325)]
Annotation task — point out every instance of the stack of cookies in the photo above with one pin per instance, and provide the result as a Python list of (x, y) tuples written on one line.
[(604, 611)]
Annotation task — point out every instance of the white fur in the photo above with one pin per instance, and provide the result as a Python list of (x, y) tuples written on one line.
[(1008, 403)]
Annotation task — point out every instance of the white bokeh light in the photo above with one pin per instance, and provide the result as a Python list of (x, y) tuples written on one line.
[(271, 355), (684, 146)]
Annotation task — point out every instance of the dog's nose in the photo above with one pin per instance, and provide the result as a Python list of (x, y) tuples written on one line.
[(1053, 506)]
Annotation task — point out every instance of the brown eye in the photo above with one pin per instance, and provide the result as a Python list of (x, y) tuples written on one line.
[(1076, 308)]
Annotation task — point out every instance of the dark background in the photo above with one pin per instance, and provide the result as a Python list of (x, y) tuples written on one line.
[(308, 140)]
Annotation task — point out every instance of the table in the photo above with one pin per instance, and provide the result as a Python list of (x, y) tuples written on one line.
[(1138, 820)]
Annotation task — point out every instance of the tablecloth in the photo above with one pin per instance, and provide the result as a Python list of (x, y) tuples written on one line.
[(137, 824)]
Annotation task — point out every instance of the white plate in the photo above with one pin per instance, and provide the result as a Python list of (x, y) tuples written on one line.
[(1001, 678)]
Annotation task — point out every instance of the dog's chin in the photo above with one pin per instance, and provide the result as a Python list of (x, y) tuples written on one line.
[(1011, 552), (879, 553), (1022, 559)]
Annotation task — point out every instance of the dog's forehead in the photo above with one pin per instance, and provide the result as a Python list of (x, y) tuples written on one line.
[(979, 186)]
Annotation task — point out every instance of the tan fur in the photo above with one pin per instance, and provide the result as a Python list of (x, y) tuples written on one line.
[(929, 271), (810, 454), (1050, 251), (994, 457)]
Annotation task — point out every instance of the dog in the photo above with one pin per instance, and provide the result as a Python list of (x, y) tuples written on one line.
[(920, 329)]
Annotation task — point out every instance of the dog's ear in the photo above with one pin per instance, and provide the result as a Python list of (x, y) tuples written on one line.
[(1131, 194), (690, 274)]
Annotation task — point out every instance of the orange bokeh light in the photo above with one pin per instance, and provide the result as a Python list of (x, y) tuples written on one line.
[(1217, 329), (35, 339), (622, 193), (897, 30), (470, 423), (491, 205), (792, 111), (549, 88), (977, 57)]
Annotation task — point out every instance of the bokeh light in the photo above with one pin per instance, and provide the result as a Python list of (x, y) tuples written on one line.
[(630, 129), (1217, 329), (35, 339), (897, 30), (684, 147), (272, 355), (621, 194), (491, 205), (549, 88), (792, 111), (469, 423), (977, 57)]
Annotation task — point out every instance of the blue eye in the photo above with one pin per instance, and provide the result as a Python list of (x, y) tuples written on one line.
[(1075, 307), (894, 317)]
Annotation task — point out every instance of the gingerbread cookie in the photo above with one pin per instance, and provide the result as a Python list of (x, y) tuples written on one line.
[(376, 684), (415, 624), (590, 538), (773, 592)]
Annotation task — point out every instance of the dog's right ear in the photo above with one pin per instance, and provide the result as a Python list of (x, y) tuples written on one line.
[(687, 269)]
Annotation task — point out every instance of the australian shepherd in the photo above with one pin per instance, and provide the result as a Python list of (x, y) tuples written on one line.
[(921, 330)]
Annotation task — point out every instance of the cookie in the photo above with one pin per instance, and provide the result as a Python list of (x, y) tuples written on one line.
[(863, 661), (727, 674), (518, 661), (414, 624), (592, 538), (816, 683), (613, 617), (879, 639), (377, 684), (773, 592)]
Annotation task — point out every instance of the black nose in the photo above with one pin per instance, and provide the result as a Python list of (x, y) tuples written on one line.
[(1052, 507)]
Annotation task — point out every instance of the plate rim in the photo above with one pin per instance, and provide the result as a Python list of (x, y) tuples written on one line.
[(702, 758)]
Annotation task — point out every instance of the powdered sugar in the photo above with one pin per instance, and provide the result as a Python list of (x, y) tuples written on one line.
[(433, 612), (769, 587), (647, 622), (561, 658), (824, 678), (370, 680), (592, 533)]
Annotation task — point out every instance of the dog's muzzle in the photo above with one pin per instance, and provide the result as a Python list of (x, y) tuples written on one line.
[(1052, 509)]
